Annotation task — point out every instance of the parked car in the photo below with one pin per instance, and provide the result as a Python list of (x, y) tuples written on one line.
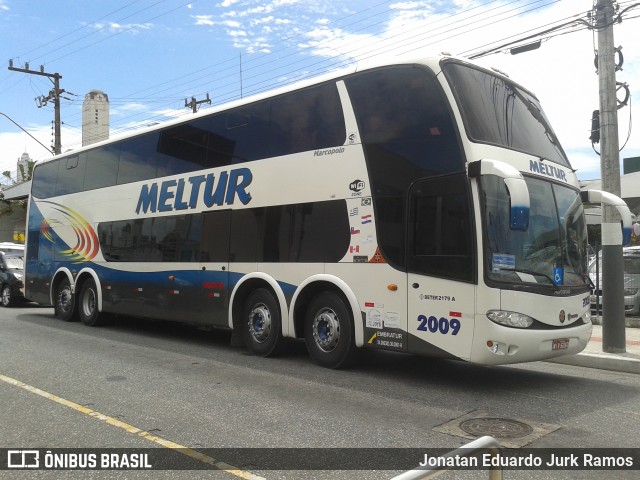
[(631, 260), (11, 279), (15, 248)]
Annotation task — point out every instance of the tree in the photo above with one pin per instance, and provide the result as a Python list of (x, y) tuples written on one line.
[(5, 205)]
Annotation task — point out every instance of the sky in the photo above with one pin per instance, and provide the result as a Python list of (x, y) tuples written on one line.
[(149, 55)]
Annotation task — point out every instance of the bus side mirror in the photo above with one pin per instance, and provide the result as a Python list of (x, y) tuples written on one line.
[(517, 187), (606, 198)]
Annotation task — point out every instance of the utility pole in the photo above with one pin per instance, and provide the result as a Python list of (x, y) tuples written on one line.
[(42, 101), (613, 324), (193, 104)]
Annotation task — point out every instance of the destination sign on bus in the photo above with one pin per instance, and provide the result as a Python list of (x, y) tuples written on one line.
[(183, 194)]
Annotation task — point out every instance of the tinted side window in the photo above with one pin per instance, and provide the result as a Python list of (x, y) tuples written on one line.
[(408, 133), (440, 242), (309, 238), (214, 246), (246, 227), (248, 129), (178, 237), (102, 167), (298, 233), (45, 177), (128, 241), (310, 119), (162, 239), (285, 233), (71, 175), (138, 159)]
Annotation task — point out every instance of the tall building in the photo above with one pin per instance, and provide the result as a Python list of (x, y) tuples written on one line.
[(95, 117), (22, 170)]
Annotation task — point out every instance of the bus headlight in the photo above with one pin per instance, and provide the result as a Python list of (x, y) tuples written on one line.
[(510, 319)]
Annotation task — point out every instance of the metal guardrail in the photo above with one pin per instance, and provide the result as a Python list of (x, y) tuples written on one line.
[(472, 449)]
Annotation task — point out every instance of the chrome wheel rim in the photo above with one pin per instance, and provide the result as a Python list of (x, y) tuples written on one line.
[(326, 329), (88, 303), (260, 322)]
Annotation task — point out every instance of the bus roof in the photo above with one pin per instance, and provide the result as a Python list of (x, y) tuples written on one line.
[(433, 61)]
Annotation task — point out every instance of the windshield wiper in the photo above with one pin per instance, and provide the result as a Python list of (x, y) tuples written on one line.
[(530, 272)]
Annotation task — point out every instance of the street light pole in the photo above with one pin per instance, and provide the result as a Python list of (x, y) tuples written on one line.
[(613, 324), (53, 95)]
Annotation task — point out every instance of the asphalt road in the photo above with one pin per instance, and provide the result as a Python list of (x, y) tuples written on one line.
[(143, 384)]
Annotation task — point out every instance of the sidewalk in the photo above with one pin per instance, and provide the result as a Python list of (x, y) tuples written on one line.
[(594, 357)]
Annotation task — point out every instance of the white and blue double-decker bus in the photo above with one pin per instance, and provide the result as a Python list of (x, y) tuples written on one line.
[(422, 207)]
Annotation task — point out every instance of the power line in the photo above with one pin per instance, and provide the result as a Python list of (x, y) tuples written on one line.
[(305, 68), (372, 52)]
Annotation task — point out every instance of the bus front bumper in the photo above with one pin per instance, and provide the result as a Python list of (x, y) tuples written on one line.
[(497, 344)]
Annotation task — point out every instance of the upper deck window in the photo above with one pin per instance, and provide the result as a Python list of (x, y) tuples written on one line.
[(497, 112), (299, 121)]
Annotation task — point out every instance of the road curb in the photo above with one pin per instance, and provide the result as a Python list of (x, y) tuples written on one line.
[(618, 363)]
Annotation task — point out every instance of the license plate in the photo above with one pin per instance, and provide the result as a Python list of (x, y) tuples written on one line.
[(560, 344)]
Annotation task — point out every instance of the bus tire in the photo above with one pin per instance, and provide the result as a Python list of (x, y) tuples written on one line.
[(328, 331), (88, 304), (262, 324), (65, 301)]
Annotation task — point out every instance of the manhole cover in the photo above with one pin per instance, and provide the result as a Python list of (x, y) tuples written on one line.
[(496, 427)]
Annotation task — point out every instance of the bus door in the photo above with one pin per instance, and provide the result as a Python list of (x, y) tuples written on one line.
[(440, 267), (198, 294), (212, 293)]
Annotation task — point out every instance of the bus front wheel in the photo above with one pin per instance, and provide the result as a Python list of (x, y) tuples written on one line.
[(65, 301), (328, 331), (262, 324), (88, 304)]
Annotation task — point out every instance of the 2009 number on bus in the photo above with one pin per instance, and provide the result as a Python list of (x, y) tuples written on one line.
[(438, 325)]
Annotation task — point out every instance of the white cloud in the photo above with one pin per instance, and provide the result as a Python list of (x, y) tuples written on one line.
[(203, 19), (114, 27), (230, 24), (127, 109), (14, 144)]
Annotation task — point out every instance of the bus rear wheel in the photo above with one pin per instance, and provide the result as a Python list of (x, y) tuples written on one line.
[(65, 301), (328, 331), (88, 304), (262, 324)]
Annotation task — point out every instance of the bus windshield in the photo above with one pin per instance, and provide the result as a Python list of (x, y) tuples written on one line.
[(552, 251), (497, 112)]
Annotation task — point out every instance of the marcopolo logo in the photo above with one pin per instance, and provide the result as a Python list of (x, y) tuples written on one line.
[(186, 194)]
